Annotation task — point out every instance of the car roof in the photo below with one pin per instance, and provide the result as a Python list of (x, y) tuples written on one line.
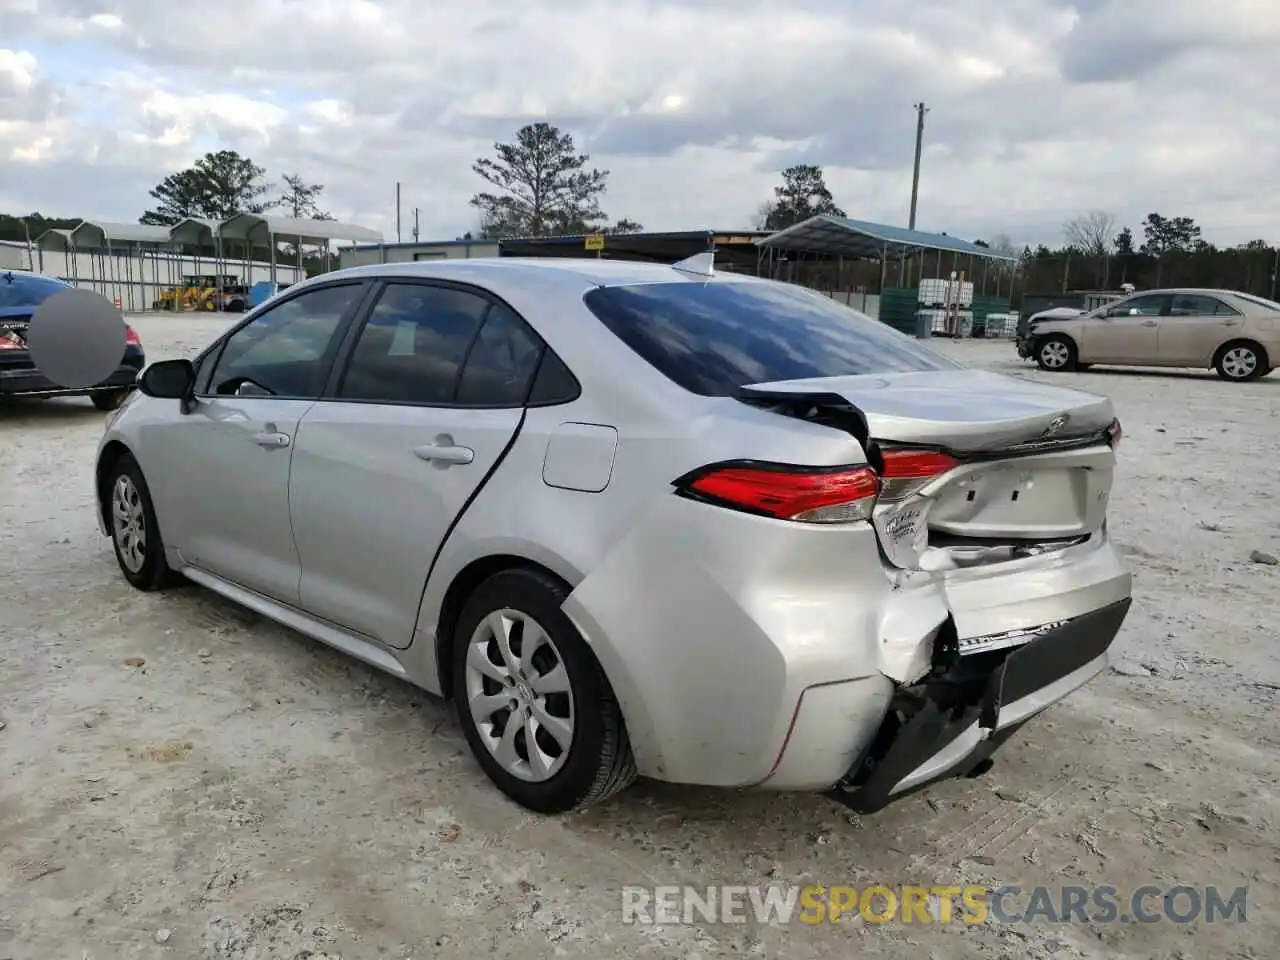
[(591, 271), (1212, 291)]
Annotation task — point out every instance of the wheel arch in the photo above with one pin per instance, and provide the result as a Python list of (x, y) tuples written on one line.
[(461, 587), (112, 453)]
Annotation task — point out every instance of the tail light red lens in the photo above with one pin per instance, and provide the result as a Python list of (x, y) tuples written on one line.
[(11, 341), (131, 337), (809, 495), (816, 494), (915, 464), (906, 471)]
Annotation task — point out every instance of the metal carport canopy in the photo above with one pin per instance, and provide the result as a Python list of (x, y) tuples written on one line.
[(252, 227), (97, 234), (840, 236), (195, 231), (55, 238)]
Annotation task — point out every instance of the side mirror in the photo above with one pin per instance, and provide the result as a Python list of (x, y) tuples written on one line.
[(169, 380)]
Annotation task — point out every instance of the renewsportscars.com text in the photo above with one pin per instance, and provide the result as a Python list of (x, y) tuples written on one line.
[(933, 904)]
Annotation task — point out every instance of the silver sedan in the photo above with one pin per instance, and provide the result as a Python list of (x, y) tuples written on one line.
[(637, 519)]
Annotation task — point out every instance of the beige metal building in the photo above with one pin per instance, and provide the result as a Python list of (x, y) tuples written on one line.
[(363, 255)]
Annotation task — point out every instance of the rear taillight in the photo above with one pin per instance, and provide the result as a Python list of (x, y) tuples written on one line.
[(11, 341), (805, 494), (906, 471), (1115, 434), (131, 337)]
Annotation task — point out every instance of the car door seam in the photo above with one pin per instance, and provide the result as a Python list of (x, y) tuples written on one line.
[(288, 494), (466, 505)]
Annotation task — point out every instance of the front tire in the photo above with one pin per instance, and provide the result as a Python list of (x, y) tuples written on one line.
[(1056, 353), (535, 706), (1241, 360), (135, 534)]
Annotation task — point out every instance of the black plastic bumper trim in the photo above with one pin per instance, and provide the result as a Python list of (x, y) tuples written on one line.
[(1025, 670)]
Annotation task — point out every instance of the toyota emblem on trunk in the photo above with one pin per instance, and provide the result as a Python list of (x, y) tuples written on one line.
[(1056, 424)]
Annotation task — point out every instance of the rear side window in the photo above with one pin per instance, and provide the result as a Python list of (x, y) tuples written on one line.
[(1196, 305), (712, 338), (412, 347), (501, 363)]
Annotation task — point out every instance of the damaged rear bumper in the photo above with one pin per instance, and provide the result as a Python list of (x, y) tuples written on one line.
[(950, 724)]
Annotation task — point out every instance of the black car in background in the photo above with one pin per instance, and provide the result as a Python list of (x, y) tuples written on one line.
[(20, 295)]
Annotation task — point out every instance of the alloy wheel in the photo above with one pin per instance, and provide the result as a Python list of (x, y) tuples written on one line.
[(519, 695), (129, 524), (1055, 354), (1239, 363)]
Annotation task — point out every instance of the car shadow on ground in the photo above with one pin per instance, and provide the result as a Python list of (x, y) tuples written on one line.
[(1167, 374), (26, 411), (1156, 373), (399, 709)]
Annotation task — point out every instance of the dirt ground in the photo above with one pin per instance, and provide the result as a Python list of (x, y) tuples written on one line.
[(182, 779)]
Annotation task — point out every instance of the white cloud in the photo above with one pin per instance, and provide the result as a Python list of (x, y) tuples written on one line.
[(1038, 110)]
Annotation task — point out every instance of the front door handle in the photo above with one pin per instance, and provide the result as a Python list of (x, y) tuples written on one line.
[(1149, 323), (271, 439), (444, 452)]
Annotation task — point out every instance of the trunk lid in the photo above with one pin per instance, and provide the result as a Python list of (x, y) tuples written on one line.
[(1031, 464)]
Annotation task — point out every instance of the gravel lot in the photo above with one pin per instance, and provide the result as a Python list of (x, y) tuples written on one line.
[(183, 779)]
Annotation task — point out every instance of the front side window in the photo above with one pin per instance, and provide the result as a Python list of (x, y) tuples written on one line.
[(413, 345), (712, 338), (1149, 306), (287, 350)]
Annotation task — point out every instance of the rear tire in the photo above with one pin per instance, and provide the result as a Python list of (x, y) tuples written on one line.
[(543, 723), (1241, 361), (1056, 353), (135, 534), (109, 399)]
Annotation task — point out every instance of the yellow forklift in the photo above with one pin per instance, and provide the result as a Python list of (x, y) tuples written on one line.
[(196, 293)]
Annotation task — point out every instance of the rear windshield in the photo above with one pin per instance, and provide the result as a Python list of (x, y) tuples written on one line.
[(712, 338), (17, 290)]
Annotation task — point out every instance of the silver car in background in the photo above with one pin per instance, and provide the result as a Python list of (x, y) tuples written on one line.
[(637, 519), (1234, 333)]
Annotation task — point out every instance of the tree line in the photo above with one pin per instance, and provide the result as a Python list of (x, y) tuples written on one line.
[(1165, 251), (539, 185)]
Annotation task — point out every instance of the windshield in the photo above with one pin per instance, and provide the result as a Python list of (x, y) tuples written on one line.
[(1259, 301), (27, 290), (712, 338)]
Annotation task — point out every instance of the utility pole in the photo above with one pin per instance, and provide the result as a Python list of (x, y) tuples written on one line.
[(921, 110), (31, 258), (415, 224), (397, 211)]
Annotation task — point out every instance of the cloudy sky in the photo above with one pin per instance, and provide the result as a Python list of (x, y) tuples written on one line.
[(1039, 109)]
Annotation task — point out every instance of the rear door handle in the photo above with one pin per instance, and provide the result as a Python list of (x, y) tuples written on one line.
[(271, 439), (445, 453), (1149, 323)]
